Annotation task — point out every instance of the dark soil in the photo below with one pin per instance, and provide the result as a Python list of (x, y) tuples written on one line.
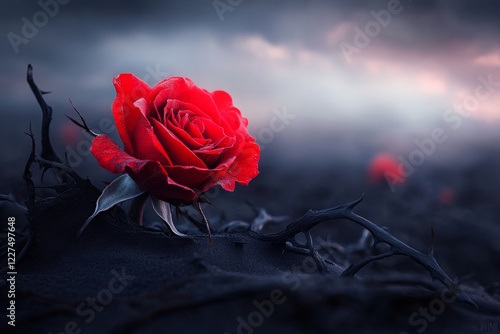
[(238, 283)]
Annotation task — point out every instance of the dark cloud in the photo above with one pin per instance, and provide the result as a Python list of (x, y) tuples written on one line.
[(75, 44), (421, 24)]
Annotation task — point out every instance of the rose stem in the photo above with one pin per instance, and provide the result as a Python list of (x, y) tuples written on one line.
[(136, 210), (197, 206)]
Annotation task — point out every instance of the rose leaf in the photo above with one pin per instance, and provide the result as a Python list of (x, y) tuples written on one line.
[(120, 190), (163, 210)]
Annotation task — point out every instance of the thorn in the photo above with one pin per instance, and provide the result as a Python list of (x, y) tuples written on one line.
[(75, 121), (83, 124), (29, 74), (354, 203), (43, 92), (433, 235), (203, 199), (465, 297)]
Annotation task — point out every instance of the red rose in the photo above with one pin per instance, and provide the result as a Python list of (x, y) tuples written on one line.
[(385, 167), (179, 140)]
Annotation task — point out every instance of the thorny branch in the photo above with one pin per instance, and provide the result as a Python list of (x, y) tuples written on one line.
[(380, 235), (48, 159), (47, 150)]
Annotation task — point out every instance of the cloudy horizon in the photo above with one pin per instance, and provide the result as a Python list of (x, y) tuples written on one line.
[(410, 63), (356, 78)]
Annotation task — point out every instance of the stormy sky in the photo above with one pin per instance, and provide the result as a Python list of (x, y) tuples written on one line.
[(329, 63), (356, 78)]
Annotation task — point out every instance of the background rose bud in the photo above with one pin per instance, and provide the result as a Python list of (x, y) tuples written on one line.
[(385, 166), (70, 134), (179, 140), (446, 195)]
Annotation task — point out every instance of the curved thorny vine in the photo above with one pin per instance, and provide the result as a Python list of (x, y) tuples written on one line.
[(380, 235), (48, 159)]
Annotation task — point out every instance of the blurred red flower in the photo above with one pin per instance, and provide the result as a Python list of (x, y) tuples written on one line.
[(384, 167), (446, 195), (70, 134)]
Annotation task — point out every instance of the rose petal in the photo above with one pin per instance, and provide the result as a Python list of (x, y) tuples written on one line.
[(229, 112), (244, 168), (198, 179), (213, 131), (149, 175), (154, 179), (183, 136), (222, 99), (129, 89), (146, 145), (179, 154), (183, 89), (175, 107)]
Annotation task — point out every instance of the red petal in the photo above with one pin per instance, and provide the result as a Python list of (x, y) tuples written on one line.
[(222, 99), (129, 89), (179, 153), (198, 179), (155, 180), (229, 112), (183, 136), (164, 103), (183, 89), (110, 156), (212, 131), (145, 143), (149, 175), (244, 168)]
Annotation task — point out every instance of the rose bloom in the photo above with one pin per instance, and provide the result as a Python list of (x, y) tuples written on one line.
[(179, 140)]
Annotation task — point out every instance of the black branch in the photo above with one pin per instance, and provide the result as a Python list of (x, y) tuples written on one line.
[(380, 235), (47, 149)]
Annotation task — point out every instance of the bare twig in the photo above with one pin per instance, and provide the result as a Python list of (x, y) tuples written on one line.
[(315, 255), (44, 163), (380, 235), (83, 123), (47, 150), (27, 176)]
